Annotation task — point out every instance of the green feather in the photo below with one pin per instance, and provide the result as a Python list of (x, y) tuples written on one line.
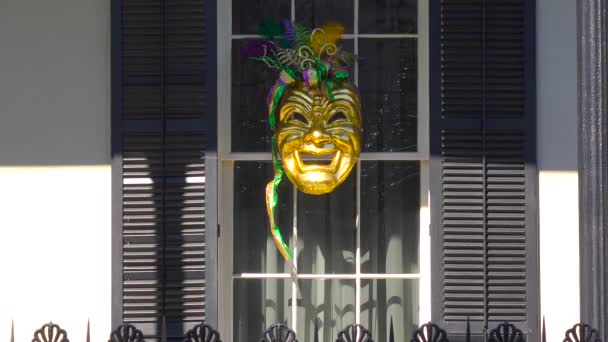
[(302, 35), (270, 29), (347, 57)]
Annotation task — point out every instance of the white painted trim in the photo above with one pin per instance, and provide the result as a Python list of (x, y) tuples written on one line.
[(226, 248), (327, 276), (424, 245), (294, 284), (385, 35), (224, 71), (358, 179), (358, 248), (356, 42), (423, 79), (225, 176)]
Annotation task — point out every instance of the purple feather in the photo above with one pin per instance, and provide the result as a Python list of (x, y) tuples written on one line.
[(257, 48), (290, 32)]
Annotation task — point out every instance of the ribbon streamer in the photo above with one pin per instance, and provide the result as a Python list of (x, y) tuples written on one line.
[(272, 198)]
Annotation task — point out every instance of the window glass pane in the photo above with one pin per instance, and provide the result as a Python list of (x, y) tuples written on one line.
[(251, 81), (324, 308), (326, 230), (388, 80), (390, 217), (315, 13), (390, 307), (247, 14), (388, 16), (254, 248), (258, 303)]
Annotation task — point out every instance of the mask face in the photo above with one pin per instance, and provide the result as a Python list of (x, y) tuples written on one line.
[(318, 139)]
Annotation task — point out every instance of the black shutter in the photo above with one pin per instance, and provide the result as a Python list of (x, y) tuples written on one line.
[(483, 170), (163, 126)]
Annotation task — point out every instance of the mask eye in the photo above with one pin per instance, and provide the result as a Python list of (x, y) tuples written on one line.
[(297, 117), (339, 115)]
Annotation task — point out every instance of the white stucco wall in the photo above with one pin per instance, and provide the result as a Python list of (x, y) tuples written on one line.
[(55, 166), (557, 164)]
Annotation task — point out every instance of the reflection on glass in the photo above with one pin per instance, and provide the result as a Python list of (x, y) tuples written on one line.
[(388, 80), (390, 217), (247, 14), (315, 13), (326, 230), (389, 308), (251, 81), (258, 303), (324, 308), (388, 16), (254, 248)]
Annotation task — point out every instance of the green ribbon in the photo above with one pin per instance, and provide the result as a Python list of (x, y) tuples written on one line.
[(278, 93), (275, 195)]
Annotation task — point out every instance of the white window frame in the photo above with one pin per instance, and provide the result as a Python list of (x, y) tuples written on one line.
[(227, 159)]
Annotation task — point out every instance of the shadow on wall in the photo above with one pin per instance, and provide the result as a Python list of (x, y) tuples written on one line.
[(55, 84)]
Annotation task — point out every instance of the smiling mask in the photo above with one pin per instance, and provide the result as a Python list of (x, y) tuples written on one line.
[(314, 110), (318, 138)]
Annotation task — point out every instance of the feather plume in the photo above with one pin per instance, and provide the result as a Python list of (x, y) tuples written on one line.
[(270, 29), (302, 35), (258, 48), (346, 57), (334, 32), (331, 34), (289, 32)]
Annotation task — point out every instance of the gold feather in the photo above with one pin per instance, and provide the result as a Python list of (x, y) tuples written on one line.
[(333, 33)]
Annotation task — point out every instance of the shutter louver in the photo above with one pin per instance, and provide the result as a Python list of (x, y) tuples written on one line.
[(164, 135), (482, 163)]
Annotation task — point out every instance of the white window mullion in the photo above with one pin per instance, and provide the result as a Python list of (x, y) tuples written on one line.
[(356, 41), (326, 276), (367, 156), (424, 285), (386, 35), (294, 285), (358, 181), (358, 247), (423, 79), (424, 245)]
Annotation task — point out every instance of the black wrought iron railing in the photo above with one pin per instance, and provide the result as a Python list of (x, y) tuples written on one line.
[(280, 332)]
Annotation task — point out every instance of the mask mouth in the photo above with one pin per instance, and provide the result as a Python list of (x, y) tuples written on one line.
[(325, 160)]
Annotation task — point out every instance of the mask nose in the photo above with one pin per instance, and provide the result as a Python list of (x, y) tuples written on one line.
[(317, 136)]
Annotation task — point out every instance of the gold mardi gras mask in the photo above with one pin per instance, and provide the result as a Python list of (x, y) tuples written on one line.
[(313, 110), (319, 139)]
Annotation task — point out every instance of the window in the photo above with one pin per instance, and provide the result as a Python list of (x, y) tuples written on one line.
[(361, 252)]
